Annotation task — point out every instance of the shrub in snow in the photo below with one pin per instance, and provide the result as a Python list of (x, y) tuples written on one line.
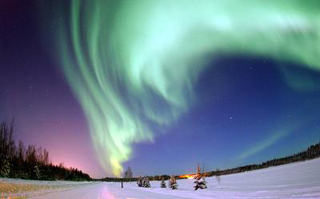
[(163, 183), (146, 182), (143, 182), (173, 183), (139, 182)]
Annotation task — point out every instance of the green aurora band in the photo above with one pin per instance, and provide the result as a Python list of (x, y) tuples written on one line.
[(132, 64)]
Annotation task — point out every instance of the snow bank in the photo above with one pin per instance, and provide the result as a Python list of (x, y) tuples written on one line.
[(298, 180)]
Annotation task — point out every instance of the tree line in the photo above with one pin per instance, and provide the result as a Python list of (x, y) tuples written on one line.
[(312, 152), (30, 162)]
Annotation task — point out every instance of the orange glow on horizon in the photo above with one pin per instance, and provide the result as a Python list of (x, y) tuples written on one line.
[(189, 176)]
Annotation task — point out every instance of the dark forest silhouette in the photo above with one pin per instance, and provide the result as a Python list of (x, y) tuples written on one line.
[(19, 161)]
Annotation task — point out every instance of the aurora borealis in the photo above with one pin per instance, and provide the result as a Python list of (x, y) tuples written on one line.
[(137, 70), (156, 49)]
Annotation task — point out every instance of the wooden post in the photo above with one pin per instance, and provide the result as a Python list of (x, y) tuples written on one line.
[(121, 184)]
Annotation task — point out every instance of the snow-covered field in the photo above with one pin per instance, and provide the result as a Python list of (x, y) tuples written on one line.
[(297, 180)]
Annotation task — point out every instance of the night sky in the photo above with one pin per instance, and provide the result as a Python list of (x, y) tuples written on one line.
[(106, 85)]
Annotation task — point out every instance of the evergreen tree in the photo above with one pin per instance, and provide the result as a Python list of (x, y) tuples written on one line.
[(5, 167), (173, 183), (7, 148), (200, 183), (199, 179), (36, 171), (146, 182)]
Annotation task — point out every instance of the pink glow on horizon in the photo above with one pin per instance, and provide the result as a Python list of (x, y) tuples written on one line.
[(63, 133)]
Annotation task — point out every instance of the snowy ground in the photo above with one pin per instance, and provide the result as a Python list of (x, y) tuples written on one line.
[(298, 180)]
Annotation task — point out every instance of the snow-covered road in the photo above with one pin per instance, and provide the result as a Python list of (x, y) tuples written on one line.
[(105, 191), (298, 180)]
